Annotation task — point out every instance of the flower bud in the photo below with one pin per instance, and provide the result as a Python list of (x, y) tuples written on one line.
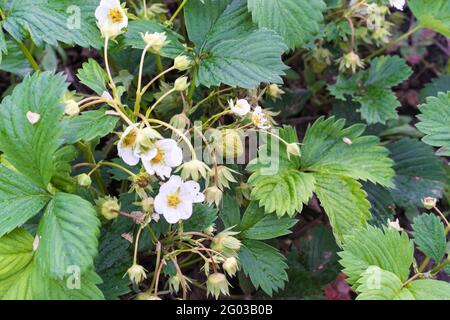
[(224, 176), (293, 149), (147, 296), (213, 195), (182, 63), (351, 61), (429, 202), (84, 180), (108, 207), (180, 121), (148, 205), (155, 41), (275, 91), (174, 284), (394, 225), (137, 273), (71, 107), (229, 144), (231, 266), (181, 84), (226, 244), (217, 283), (195, 169)]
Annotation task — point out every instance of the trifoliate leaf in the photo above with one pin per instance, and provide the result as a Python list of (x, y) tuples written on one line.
[(435, 122), (230, 50), (31, 147), (137, 28), (264, 265), (16, 263), (257, 225), (385, 248), (372, 88), (378, 284), (419, 172), (69, 230), (330, 148), (344, 201), (297, 21), (428, 289), (20, 200), (432, 14), (92, 75), (429, 236), (88, 126), (52, 21)]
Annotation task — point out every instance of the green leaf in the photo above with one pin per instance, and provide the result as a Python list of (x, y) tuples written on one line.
[(3, 45), (264, 264), (379, 284), (93, 76), (257, 225), (297, 21), (378, 105), (202, 218), (429, 236), (231, 51), (325, 151), (88, 126), (74, 287), (419, 172), (68, 234), (433, 88), (134, 39), (52, 21), (429, 289), (372, 88), (16, 262), (283, 193), (385, 248), (432, 14), (382, 203), (20, 200), (344, 201), (230, 213), (15, 61), (435, 122), (31, 148), (387, 71)]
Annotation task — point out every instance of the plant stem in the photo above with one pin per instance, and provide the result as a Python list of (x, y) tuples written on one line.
[(149, 111), (159, 66), (393, 42), (172, 19), (28, 56), (137, 104)]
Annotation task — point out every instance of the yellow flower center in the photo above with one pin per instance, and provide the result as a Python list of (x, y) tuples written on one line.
[(159, 156), (257, 120), (173, 200), (130, 139), (115, 15)]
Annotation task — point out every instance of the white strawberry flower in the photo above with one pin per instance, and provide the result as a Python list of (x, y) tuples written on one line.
[(136, 143), (176, 198), (398, 4), (259, 118), (241, 107), (167, 156), (126, 147), (111, 18)]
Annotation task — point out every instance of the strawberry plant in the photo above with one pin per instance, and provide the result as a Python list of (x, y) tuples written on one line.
[(211, 148)]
